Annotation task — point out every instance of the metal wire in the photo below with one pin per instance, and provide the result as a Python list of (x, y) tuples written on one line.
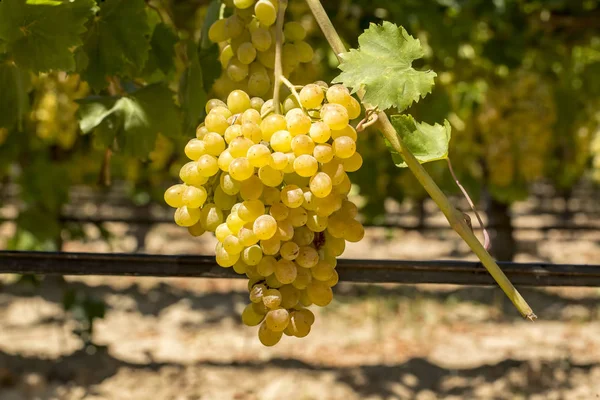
[(373, 271)]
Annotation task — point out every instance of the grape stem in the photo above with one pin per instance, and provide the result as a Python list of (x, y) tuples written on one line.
[(486, 236), (454, 217), (278, 48), (292, 88)]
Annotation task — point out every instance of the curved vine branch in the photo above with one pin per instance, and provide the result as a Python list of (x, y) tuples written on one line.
[(454, 217)]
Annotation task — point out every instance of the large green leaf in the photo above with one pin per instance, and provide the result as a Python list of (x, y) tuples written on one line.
[(14, 102), (134, 120), (162, 49), (426, 142), (40, 34), (116, 42), (382, 66), (192, 94)]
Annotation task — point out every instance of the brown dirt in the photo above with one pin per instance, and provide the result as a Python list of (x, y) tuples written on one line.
[(181, 339)]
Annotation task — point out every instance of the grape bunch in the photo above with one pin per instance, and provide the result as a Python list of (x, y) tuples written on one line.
[(247, 47), (274, 190), (54, 108)]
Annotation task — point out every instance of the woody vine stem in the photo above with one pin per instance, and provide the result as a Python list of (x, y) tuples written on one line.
[(454, 217)]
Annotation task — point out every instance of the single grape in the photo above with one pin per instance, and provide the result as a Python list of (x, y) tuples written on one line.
[(285, 230), (270, 196), (265, 12), (304, 52), (279, 211), (308, 257), (271, 124), (261, 39), (294, 31), (194, 149), (269, 176), (257, 103), (303, 278), (239, 146), (281, 141), (298, 216), (213, 143), (319, 293), (232, 132), (353, 108), (250, 317), (323, 153), (285, 271), (174, 196), (302, 144), (225, 56), (316, 223), (320, 132), (265, 227), (352, 163), (271, 298), (266, 266), (270, 246), (311, 96), (197, 229), (298, 123), (256, 293), (323, 271), (211, 217), (234, 26), (236, 70), (228, 184), (259, 83), (225, 259), (335, 116), (247, 236), (355, 231), (222, 232), (348, 130), (344, 147), (277, 320), (321, 184), (238, 101), (266, 336), (292, 196), (252, 255), (240, 169), (186, 216), (251, 188), (194, 197), (305, 165), (217, 32), (289, 250), (234, 223), (339, 94)]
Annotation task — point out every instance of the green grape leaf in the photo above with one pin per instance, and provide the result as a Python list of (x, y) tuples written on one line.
[(192, 95), (40, 34), (162, 49), (134, 120), (14, 102), (426, 142), (117, 42), (382, 66)]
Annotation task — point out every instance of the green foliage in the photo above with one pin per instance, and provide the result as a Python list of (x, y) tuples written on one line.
[(192, 94), (13, 99), (40, 34), (426, 142), (116, 42), (133, 120), (162, 53), (382, 66)]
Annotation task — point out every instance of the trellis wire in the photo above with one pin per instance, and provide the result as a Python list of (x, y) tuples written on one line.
[(369, 271)]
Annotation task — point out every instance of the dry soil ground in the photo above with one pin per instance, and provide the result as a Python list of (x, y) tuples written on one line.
[(181, 339)]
